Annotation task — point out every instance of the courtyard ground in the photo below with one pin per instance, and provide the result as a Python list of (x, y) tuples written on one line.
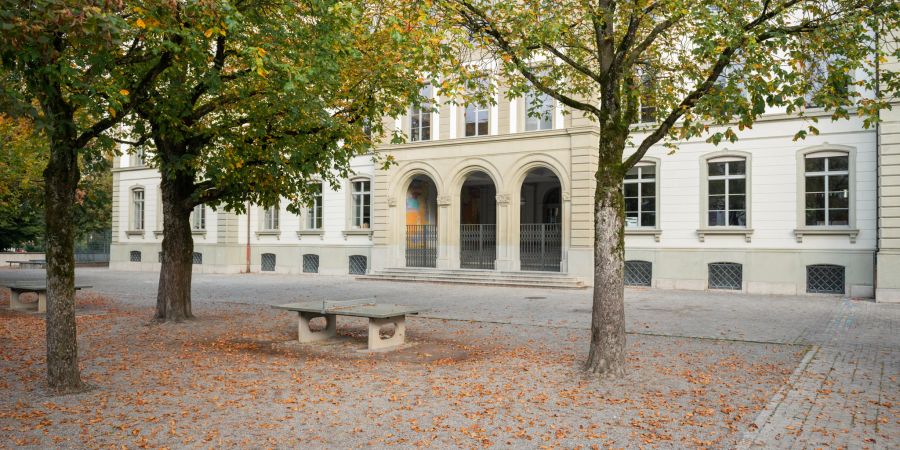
[(485, 367)]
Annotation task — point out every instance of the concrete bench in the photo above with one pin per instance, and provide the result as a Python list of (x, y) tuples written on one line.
[(379, 315), (17, 289)]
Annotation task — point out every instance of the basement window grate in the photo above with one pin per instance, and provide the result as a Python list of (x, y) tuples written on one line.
[(638, 273), (197, 258), (358, 265), (268, 262), (310, 263), (724, 275), (825, 279), (135, 256)]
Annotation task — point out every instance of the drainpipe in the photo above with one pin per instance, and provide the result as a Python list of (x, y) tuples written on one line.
[(877, 166), (248, 237)]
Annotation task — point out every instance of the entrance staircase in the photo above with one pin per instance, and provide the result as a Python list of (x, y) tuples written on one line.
[(552, 280)]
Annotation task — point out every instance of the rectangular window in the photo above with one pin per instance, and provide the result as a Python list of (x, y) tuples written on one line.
[(270, 218), (139, 157), (137, 207), (727, 193), (362, 199), (198, 218), (477, 117), (827, 79), (647, 98), (314, 212), (640, 196), (538, 111), (827, 190), (420, 118)]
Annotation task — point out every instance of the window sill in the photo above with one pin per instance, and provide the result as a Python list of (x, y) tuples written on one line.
[(735, 231), (319, 233), (640, 231), (157, 233), (198, 233), (359, 232), (275, 233), (134, 233), (851, 233)]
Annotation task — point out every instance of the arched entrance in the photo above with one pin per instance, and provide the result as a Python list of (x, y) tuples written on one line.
[(421, 222), (478, 222), (540, 222)]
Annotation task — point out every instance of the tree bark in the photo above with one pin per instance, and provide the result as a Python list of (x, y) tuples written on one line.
[(607, 348), (173, 301), (60, 181)]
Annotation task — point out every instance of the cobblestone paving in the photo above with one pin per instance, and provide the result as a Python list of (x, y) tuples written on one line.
[(844, 394)]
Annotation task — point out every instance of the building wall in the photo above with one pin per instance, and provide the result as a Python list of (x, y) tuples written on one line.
[(888, 262)]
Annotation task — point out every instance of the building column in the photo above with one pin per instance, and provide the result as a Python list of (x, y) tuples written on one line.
[(445, 246), (504, 260)]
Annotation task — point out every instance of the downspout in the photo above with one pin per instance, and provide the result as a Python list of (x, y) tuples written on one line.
[(877, 164), (248, 237)]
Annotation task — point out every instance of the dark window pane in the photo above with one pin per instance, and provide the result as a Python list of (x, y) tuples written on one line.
[(470, 128), (648, 189), (838, 163), (815, 184), (648, 204), (716, 187), (838, 200), (631, 204), (648, 172), (839, 217), (736, 202), (632, 174), (483, 128), (716, 218), (631, 189), (716, 168), (716, 202), (648, 220), (737, 187), (815, 217), (426, 134), (838, 182), (815, 201), (737, 218), (737, 167), (815, 164)]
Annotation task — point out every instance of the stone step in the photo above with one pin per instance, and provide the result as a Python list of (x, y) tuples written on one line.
[(479, 273), (485, 278)]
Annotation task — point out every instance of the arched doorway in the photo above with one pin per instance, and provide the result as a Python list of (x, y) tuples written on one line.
[(540, 222), (421, 222), (478, 222)]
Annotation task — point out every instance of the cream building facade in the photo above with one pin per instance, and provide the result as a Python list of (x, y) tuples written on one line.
[(492, 192)]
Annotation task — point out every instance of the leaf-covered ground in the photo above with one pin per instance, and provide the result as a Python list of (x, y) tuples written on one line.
[(235, 377)]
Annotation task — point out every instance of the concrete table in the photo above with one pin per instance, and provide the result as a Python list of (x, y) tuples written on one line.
[(17, 289), (379, 315)]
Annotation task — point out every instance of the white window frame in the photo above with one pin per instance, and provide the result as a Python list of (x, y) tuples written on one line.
[(724, 156), (850, 230), (547, 110), (422, 112), (270, 219), (639, 182), (198, 218), (314, 212), (361, 210), (138, 209)]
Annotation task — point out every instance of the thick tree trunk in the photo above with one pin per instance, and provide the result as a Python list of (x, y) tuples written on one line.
[(607, 349), (173, 301), (60, 181)]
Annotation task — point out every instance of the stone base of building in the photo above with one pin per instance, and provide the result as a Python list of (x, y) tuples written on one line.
[(888, 284)]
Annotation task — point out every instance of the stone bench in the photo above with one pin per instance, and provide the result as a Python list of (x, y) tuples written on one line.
[(17, 289), (379, 315)]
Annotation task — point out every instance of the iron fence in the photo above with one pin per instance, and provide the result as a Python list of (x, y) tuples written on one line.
[(421, 246), (93, 247), (540, 246), (477, 246)]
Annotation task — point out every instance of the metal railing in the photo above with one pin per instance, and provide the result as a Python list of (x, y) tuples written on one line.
[(477, 245), (421, 245), (540, 246)]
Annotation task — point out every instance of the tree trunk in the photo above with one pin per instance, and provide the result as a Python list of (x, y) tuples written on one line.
[(60, 181), (607, 349), (173, 301)]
